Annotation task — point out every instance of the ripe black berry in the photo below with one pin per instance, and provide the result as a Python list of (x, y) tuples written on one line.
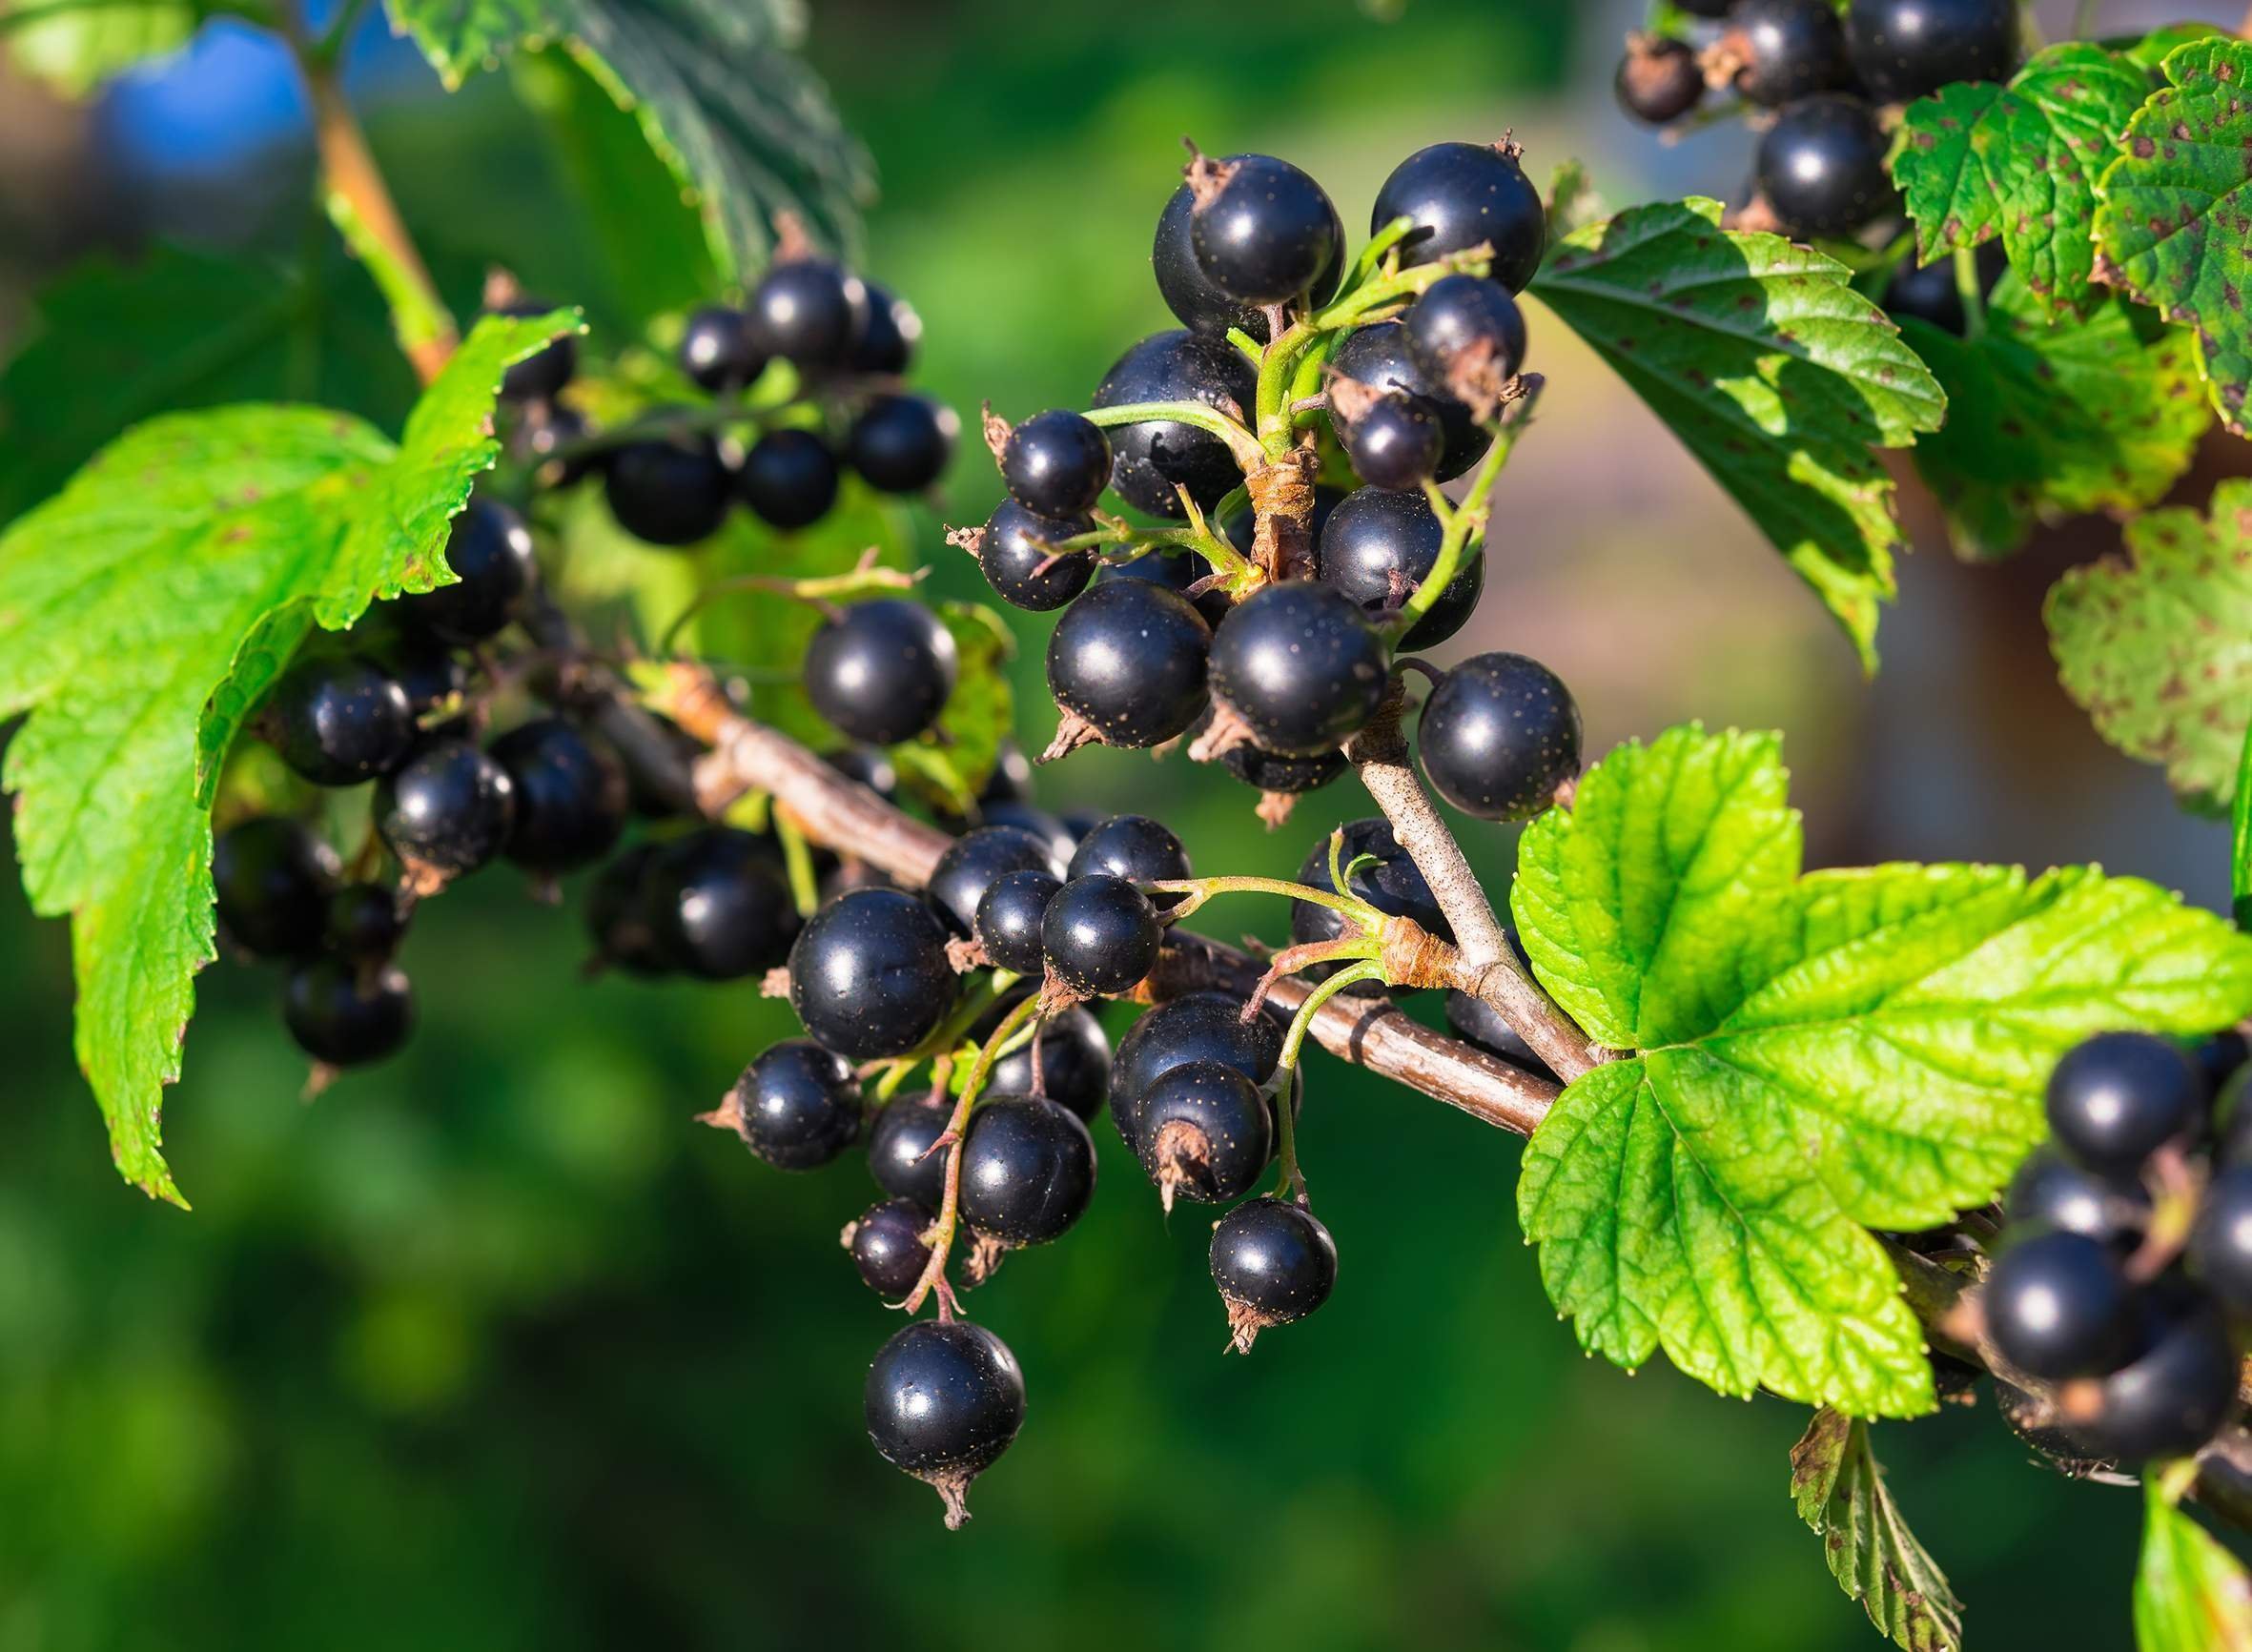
[(1301, 664), (1028, 1171), (1197, 1027), (1396, 443), (1135, 848), (1822, 166), (343, 1014), (2051, 1194), (1659, 79), (1194, 297), (797, 1106), (430, 673), (1467, 334), (717, 351), (868, 975), (2220, 1248), (1460, 195), (882, 670), (365, 923), (1377, 547), (974, 861), (1261, 230), (490, 551), (1498, 736), (1177, 572), (1928, 292), (1028, 817), (273, 879), (1392, 886), (719, 905), (340, 719), (2119, 1097), (618, 917), (1008, 921), (2175, 1394), (1073, 1068), (1378, 357), (1130, 658), (809, 312), (1785, 49), (1150, 460), (887, 1246), (571, 796), (1206, 1132), (790, 478), (1057, 464), (1017, 551), (542, 376), (449, 809), (2058, 1306), (1274, 1263), (900, 1149), (943, 1399), (893, 330), (1908, 49), (1099, 935), (669, 492), (899, 443), (1272, 772)]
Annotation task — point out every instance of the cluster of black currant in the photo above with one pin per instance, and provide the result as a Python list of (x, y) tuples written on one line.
[(2125, 1276)]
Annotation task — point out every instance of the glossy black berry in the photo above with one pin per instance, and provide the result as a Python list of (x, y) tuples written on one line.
[(1008, 921), (1460, 195), (1031, 817), (790, 478), (978, 859), (1261, 230), (2058, 1306), (1150, 461), (943, 1399), (1018, 554), (1073, 1068), (1206, 1132), (431, 673), (2117, 1098), (717, 351), (449, 809), (1467, 334), (1193, 296), (1099, 935), (900, 1149), (1057, 464), (1377, 547), (571, 797), (490, 551), (273, 878), (1395, 443), (365, 923), (1378, 357), (344, 1014), (797, 1106), (1028, 1171), (1659, 79), (888, 344), (1272, 772), (1197, 1027), (1274, 1263), (1392, 884), (868, 975), (669, 492), (1302, 665), (809, 312), (882, 670), (1822, 166), (1177, 573), (2221, 1246), (1135, 848), (1130, 658), (340, 719), (2175, 1394), (887, 1246), (2051, 1194), (1785, 49), (619, 921), (1909, 48), (1480, 1023), (900, 443), (1498, 736), (719, 905), (539, 377)]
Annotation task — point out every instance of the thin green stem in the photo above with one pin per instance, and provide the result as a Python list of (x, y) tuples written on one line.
[(1277, 374), (797, 859), (941, 1236), (1240, 441), (1351, 976), (1291, 1184), (1971, 290), (1467, 522), (1198, 890)]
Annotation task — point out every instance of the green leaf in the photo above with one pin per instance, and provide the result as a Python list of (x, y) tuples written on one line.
[(2241, 840), (951, 765), (1811, 1055), (2146, 51), (77, 48), (2020, 161), (2047, 420), (2156, 644), (2173, 223), (2190, 1594), (142, 613), (1772, 369), (1840, 1492)]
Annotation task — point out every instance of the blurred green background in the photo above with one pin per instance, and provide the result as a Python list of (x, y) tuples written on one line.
[(491, 1348)]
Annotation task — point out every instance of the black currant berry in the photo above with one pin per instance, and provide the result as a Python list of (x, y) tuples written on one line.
[(1908, 49), (1194, 298), (1099, 935), (365, 923), (2051, 1194), (273, 879), (790, 478), (1498, 736), (1262, 230), (1177, 572), (2219, 1058), (1008, 921), (903, 1155), (1272, 772), (669, 492), (809, 312), (339, 718), (719, 905), (2117, 1098), (1197, 1027), (1017, 551), (887, 1246), (449, 809), (1073, 1067), (342, 1014), (716, 349), (943, 1399), (1396, 443), (888, 345), (618, 917), (1785, 49), (2058, 1306), (1460, 195), (489, 548), (1480, 1023), (571, 796), (797, 1106), (1302, 665), (881, 671), (2220, 1247), (1822, 166), (542, 376), (1659, 79), (1467, 334), (1012, 778), (978, 859), (1928, 292), (1150, 460), (432, 675), (868, 975), (1274, 1263), (1206, 1132), (1377, 547), (2174, 1396), (1378, 357), (1130, 658), (1392, 886), (1135, 848), (899, 443), (1028, 1171), (1057, 464), (1031, 817)]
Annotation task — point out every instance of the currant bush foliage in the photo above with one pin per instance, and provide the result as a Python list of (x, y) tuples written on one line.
[(1806, 1056), (2190, 1594), (1841, 1494)]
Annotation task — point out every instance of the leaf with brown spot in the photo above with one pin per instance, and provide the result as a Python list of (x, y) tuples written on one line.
[(1841, 1494)]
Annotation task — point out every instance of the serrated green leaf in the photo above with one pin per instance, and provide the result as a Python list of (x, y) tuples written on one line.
[(75, 49), (2146, 51), (2020, 161), (1772, 369), (1811, 1055), (2047, 420), (2174, 220), (142, 612), (2190, 1594), (951, 767), (1841, 1495), (2156, 644)]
